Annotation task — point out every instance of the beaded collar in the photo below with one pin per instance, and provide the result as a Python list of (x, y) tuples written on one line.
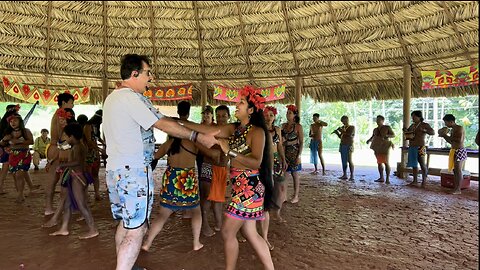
[(238, 141)]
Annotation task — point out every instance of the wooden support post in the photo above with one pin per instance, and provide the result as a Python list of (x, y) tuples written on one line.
[(298, 92), (407, 95), (203, 89), (104, 89)]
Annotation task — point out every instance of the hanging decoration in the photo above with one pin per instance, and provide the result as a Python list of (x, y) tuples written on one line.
[(32, 94), (270, 93), (450, 78), (179, 92)]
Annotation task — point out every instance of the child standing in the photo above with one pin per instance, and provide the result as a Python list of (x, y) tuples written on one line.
[(75, 181)]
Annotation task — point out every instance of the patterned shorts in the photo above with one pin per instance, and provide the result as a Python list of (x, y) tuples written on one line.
[(131, 195)]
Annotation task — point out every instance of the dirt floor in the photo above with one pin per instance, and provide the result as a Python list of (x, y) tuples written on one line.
[(336, 225)]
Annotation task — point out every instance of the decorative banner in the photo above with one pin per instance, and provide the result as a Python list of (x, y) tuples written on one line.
[(450, 78), (178, 92), (32, 94), (270, 93)]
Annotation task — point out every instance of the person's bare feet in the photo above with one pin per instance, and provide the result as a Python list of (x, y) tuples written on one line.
[(351, 179), (414, 183), (49, 224), (197, 246), (379, 180), (60, 233), (424, 184), (294, 200), (145, 248), (270, 246), (314, 172), (207, 231), (456, 192), (49, 212), (241, 239), (323, 173), (217, 228), (80, 218), (343, 177), (89, 235), (387, 182)]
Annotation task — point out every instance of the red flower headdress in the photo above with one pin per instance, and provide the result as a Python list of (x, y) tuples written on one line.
[(272, 109), (16, 108), (253, 96), (12, 117), (292, 108), (64, 114)]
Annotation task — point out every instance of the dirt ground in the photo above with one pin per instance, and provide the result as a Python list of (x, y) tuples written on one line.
[(336, 225)]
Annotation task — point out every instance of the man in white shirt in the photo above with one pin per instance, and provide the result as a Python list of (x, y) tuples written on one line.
[(128, 122)]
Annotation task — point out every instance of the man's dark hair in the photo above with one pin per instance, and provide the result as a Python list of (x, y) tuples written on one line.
[(74, 129), (82, 119), (64, 97), (183, 108), (418, 114), (223, 108), (381, 117), (449, 117), (344, 117), (131, 62), (316, 115), (44, 130)]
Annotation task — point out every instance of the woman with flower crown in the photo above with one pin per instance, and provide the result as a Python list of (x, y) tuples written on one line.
[(248, 147), (292, 133), (18, 139), (180, 186)]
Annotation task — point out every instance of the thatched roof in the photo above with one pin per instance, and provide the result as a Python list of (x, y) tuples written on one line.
[(345, 51)]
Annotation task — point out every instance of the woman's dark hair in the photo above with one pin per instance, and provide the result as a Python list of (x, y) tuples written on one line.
[(64, 97), (418, 114), (175, 146), (74, 129), (9, 129), (4, 123), (381, 117), (82, 119), (131, 62), (257, 119), (183, 108), (71, 120)]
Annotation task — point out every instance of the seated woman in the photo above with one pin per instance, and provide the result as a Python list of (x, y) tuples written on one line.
[(179, 187)]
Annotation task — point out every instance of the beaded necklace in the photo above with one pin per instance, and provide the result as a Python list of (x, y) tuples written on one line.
[(238, 141)]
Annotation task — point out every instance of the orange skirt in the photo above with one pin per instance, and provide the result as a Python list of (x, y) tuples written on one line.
[(218, 187), (381, 158)]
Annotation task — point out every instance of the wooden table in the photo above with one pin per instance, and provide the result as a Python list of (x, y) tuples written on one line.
[(401, 169)]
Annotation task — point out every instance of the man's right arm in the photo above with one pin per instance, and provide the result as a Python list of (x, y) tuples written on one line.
[(173, 128)]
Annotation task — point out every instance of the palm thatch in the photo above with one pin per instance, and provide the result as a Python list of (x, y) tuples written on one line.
[(344, 50)]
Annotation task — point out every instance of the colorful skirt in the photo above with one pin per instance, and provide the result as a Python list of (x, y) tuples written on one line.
[(179, 189), (206, 172), (219, 184), (278, 175), (19, 160), (456, 155), (66, 181), (291, 154), (247, 195)]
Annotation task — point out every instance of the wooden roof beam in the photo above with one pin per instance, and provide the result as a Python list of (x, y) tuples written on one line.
[(290, 38), (244, 42), (153, 39), (450, 17), (342, 43), (200, 43), (47, 49)]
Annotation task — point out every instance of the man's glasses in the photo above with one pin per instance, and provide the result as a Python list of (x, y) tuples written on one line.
[(149, 72)]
